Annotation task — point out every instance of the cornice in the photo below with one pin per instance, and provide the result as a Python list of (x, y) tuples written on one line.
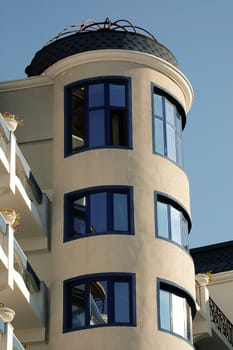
[(26, 83), (222, 277), (142, 58)]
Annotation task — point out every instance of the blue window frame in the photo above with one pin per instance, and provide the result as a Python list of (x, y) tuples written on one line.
[(172, 221), (98, 114), (98, 210), (99, 300), (168, 123), (175, 310)]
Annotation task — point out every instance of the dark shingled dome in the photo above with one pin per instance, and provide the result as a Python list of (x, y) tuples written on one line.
[(97, 36)]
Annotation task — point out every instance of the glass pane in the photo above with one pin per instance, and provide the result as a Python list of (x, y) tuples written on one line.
[(158, 136), (158, 105), (175, 225), (98, 303), (120, 212), (96, 95), (79, 212), (179, 150), (178, 315), (98, 212), (164, 309), (185, 233), (78, 306), (171, 143), (189, 322), (162, 220), (77, 113), (121, 302), (170, 112), (96, 128), (178, 123), (117, 95), (118, 127)]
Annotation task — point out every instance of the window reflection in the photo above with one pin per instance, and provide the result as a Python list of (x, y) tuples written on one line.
[(164, 305), (179, 317), (79, 223), (117, 95), (78, 306), (96, 95), (98, 212), (120, 207), (96, 128), (77, 117), (121, 302), (98, 303), (162, 217), (176, 225)]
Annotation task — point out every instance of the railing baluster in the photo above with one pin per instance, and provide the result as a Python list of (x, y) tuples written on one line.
[(221, 321)]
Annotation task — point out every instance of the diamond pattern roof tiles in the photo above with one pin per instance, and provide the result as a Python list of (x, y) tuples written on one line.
[(96, 40), (214, 258)]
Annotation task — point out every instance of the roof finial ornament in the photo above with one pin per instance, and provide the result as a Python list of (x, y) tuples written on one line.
[(108, 22)]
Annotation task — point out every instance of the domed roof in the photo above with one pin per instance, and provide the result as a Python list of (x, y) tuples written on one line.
[(92, 35)]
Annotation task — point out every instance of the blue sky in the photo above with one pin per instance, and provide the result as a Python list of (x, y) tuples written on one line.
[(199, 33)]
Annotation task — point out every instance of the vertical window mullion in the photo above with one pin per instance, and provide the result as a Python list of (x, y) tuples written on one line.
[(179, 148), (111, 313), (86, 116), (68, 106), (169, 221), (164, 125), (107, 114), (171, 311), (181, 230)]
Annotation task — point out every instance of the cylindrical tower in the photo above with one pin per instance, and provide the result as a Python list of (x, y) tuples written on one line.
[(122, 276)]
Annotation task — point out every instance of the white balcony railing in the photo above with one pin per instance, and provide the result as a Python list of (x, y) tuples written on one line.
[(20, 190), (20, 287)]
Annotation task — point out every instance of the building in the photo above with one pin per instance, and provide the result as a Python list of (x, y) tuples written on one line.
[(212, 327), (101, 256)]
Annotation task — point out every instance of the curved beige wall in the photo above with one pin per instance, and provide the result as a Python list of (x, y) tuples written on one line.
[(142, 253)]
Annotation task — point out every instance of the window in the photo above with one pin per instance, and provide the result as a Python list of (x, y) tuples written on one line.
[(175, 308), (168, 122), (97, 114), (98, 210), (172, 221), (99, 300)]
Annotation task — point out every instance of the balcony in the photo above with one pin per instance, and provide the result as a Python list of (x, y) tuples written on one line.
[(8, 340), (21, 289), (19, 190), (211, 328)]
